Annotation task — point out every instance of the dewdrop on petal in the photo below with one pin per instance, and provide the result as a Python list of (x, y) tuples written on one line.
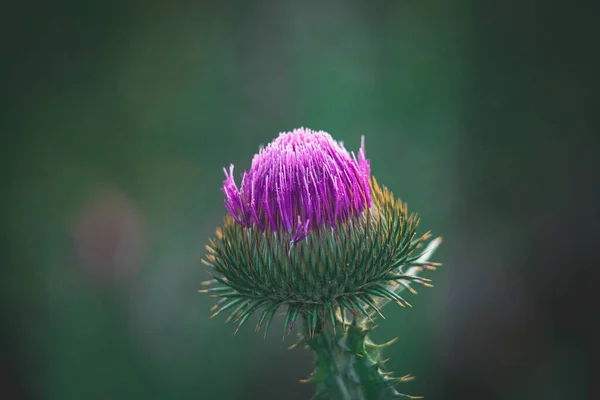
[(311, 233)]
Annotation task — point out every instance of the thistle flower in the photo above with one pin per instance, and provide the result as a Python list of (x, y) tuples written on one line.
[(302, 181), (310, 231)]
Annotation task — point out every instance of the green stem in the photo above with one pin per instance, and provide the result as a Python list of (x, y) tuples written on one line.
[(335, 375), (348, 365)]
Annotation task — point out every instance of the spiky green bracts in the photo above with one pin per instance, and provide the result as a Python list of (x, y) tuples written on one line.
[(311, 234)]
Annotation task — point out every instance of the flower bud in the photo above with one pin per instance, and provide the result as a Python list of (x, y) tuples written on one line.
[(309, 229)]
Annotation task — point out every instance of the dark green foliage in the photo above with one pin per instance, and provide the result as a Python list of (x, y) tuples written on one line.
[(350, 267)]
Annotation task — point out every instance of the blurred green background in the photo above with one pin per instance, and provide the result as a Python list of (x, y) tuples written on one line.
[(119, 117)]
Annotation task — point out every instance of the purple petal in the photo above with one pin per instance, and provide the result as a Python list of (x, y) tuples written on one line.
[(303, 180)]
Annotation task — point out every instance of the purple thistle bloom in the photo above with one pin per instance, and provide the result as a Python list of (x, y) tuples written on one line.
[(358, 249), (301, 181)]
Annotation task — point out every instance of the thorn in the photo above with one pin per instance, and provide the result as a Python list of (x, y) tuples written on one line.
[(391, 342), (292, 347), (378, 311), (406, 396), (238, 317), (407, 378), (209, 282), (384, 361), (360, 355), (309, 380), (203, 291), (408, 287)]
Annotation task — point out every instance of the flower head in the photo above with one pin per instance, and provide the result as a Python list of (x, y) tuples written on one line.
[(301, 181), (310, 230)]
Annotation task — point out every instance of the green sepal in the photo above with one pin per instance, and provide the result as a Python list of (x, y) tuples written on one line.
[(349, 266)]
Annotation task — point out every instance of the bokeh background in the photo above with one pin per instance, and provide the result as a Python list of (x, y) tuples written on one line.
[(119, 116)]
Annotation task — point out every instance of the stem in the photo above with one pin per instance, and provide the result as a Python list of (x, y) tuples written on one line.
[(349, 366), (335, 373)]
